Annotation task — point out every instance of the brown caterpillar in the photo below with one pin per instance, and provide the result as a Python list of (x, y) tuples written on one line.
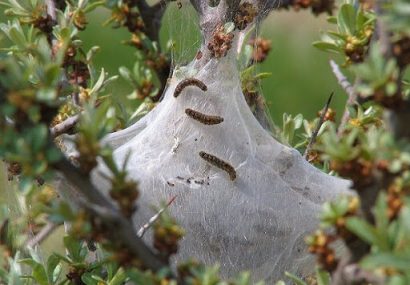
[(215, 161), (204, 119), (189, 82)]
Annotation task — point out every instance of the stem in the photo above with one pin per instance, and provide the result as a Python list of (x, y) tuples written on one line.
[(319, 125), (154, 218), (48, 229), (349, 89), (64, 126)]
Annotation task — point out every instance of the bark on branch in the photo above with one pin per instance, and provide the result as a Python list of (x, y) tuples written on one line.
[(65, 126), (152, 16)]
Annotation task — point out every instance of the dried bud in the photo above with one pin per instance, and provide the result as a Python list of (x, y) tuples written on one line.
[(245, 15), (261, 49), (221, 42), (329, 116)]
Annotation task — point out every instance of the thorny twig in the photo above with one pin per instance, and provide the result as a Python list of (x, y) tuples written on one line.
[(64, 126), (319, 125), (42, 235), (349, 89), (154, 218)]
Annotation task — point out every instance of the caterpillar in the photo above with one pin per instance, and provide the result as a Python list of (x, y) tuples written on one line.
[(189, 82), (215, 161), (203, 118)]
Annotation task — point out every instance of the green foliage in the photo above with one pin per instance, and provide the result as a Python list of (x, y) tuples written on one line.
[(354, 30), (378, 74)]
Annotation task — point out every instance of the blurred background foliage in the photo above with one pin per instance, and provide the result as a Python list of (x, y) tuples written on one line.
[(301, 79)]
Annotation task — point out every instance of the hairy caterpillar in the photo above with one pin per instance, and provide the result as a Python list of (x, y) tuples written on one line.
[(203, 118), (215, 161), (189, 82)]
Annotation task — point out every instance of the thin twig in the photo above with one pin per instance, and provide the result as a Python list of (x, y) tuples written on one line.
[(350, 91), (343, 81), (64, 126), (153, 219), (42, 235), (319, 125)]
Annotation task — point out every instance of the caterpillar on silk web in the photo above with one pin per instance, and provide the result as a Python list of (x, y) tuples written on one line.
[(203, 118), (215, 161), (189, 82)]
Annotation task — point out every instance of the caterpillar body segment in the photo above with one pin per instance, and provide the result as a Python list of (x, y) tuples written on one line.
[(215, 161), (189, 82), (203, 118)]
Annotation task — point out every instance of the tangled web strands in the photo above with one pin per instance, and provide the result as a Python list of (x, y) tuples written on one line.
[(256, 221)]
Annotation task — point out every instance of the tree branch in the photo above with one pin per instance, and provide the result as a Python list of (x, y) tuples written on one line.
[(349, 89), (122, 230), (118, 228), (64, 126), (42, 235), (152, 16), (82, 183)]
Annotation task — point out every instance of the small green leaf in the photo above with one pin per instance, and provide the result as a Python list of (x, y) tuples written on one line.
[(75, 249), (326, 46), (366, 232), (385, 259), (53, 268), (323, 277), (346, 19)]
